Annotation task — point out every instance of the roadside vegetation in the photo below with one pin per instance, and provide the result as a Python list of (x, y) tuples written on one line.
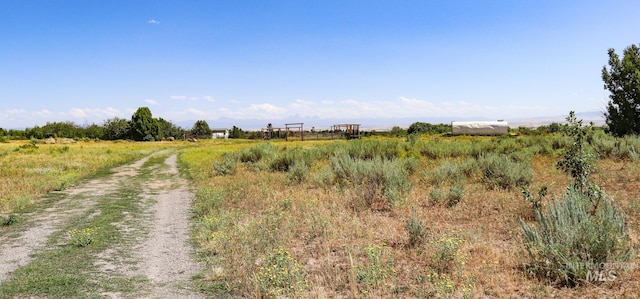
[(30, 169), (418, 216)]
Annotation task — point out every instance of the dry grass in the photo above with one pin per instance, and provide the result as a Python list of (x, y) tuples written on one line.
[(246, 216)]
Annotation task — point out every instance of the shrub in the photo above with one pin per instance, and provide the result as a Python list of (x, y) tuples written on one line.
[(447, 172), (450, 199), (286, 158), (225, 167), (577, 161), (298, 172), (455, 195), (378, 183), (372, 149), (257, 152), (503, 172), (416, 230), (584, 229), (573, 233)]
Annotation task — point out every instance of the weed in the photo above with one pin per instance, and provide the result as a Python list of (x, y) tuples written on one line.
[(379, 267), (447, 254), (10, 219), (281, 275), (536, 203), (82, 237), (442, 285)]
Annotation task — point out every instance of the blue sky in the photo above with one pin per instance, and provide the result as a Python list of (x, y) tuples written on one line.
[(87, 61)]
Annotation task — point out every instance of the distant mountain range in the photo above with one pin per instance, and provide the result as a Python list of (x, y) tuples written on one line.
[(383, 124)]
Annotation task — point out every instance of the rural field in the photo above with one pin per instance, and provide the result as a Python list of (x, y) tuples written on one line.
[(417, 216)]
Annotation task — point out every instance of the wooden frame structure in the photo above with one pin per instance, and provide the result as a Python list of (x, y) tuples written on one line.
[(350, 131), (298, 126)]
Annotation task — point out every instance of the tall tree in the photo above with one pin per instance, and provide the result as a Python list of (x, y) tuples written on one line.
[(622, 79), (144, 127), (201, 128)]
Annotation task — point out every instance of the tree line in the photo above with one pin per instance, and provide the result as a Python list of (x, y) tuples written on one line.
[(141, 127)]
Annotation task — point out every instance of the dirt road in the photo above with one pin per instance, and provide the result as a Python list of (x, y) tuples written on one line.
[(153, 249)]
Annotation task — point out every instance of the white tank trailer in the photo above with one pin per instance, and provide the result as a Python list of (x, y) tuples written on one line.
[(498, 127)]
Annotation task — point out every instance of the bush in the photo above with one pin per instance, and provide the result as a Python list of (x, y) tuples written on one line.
[(298, 172), (583, 230), (225, 167), (447, 172), (416, 230), (284, 159), (257, 152), (372, 149), (574, 232), (503, 172), (450, 199), (378, 183)]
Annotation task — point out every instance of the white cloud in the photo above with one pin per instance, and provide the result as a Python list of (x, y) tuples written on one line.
[(78, 113), (196, 112), (153, 22), (151, 102), (179, 98), (267, 109)]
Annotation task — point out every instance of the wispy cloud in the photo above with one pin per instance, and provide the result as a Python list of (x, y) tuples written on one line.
[(210, 99), (153, 22), (151, 102), (179, 98)]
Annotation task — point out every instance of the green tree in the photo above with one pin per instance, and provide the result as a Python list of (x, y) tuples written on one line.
[(201, 128), (116, 128), (622, 79), (94, 131), (169, 129), (421, 128), (237, 133), (397, 131), (35, 132), (144, 127)]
